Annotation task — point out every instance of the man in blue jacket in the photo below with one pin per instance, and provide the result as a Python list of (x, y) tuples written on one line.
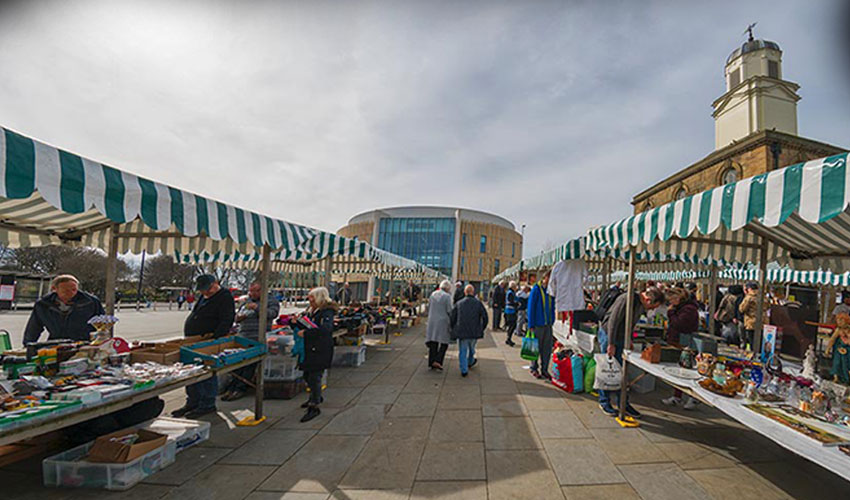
[(541, 317), (468, 320)]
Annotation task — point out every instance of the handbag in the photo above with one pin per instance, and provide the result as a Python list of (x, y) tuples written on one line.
[(530, 348), (609, 373)]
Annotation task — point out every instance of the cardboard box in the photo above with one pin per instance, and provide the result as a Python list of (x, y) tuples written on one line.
[(164, 354), (106, 451)]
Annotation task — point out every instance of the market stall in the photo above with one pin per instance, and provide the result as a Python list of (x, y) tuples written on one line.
[(796, 217)]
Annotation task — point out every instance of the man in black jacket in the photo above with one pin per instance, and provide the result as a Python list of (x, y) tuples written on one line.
[(612, 336), (64, 312), (468, 321), (213, 314), (498, 303)]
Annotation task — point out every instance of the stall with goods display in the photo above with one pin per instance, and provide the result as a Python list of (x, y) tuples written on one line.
[(50, 196), (794, 217)]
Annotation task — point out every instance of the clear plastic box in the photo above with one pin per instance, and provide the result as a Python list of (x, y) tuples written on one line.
[(349, 355), (281, 368), (70, 470), (185, 433)]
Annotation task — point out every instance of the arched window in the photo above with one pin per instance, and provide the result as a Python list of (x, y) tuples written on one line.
[(729, 176)]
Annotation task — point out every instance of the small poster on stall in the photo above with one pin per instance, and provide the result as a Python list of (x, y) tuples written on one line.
[(769, 339), (7, 292)]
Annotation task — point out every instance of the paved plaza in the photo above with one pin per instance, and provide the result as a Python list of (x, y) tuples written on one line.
[(393, 430)]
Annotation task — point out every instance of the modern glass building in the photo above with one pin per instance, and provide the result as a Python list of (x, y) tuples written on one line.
[(468, 245)]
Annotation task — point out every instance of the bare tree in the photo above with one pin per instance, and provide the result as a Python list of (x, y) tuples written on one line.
[(161, 271), (86, 264)]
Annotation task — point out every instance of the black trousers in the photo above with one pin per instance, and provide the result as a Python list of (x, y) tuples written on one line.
[(510, 324), (436, 352), (314, 382), (497, 318)]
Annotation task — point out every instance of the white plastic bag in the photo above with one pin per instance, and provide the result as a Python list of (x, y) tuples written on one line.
[(609, 373)]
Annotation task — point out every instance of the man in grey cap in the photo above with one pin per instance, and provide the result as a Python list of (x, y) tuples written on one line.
[(213, 314)]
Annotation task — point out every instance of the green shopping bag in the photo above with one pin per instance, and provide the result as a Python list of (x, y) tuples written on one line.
[(530, 348), (589, 372)]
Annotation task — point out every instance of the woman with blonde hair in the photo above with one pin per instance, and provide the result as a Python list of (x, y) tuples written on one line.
[(318, 346)]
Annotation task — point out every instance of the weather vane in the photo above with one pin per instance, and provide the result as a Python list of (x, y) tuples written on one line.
[(749, 31)]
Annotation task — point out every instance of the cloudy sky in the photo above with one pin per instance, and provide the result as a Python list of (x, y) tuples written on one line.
[(552, 114)]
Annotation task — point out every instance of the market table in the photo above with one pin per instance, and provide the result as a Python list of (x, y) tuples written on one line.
[(828, 457), (50, 423)]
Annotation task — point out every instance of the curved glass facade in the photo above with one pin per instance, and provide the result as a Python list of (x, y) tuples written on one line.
[(429, 241)]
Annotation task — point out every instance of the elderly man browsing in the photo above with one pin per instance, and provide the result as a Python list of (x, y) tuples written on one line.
[(64, 312), (468, 321)]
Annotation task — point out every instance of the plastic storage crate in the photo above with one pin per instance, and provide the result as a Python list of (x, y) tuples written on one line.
[(281, 368), (185, 433), (209, 353), (349, 355), (70, 470)]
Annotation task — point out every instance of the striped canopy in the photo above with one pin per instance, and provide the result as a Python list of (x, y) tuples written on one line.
[(784, 275), (799, 211), (50, 196)]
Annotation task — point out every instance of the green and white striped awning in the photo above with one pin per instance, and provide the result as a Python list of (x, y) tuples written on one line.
[(367, 259), (50, 196), (799, 210)]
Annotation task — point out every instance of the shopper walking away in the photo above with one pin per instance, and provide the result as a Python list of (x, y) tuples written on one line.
[(497, 302), (343, 295), (64, 312), (541, 317), (683, 317), (727, 315), (318, 347), (511, 305), (749, 308), (522, 309), (248, 319), (438, 333), (213, 313), (458, 296), (468, 321), (611, 337)]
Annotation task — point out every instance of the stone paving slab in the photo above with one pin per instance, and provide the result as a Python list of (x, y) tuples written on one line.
[(510, 433), (192, 461), (581, 461), (601, 492), (736, 483), (318, 466), (503, 405), (356, 420), (449, 490), (384, 464), (222, 482), (456, 426), (663, 482), (558, 424), (521, 475), (414, 405), (452, 461), (273, 447)]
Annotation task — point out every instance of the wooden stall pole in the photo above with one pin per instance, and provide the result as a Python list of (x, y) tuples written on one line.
[(756, 347), (259, 388), (111, 269), (623, 420), (606, 275), (712, 297), (328, 270)]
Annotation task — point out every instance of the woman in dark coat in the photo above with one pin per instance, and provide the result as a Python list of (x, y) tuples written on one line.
[(683, 317), (318, 347)]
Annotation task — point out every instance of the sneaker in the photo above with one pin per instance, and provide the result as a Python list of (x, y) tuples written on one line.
[(463, 374), (436, 366), (312, 412), (546, 376), (474, 362), (199, 412), (672, 401), (180, 412), (608, 409), (690, 404), (535, 373), (510, 343), (632, 412)]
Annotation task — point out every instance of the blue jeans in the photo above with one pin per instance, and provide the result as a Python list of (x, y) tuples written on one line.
[(607, 397), (466, 348), (203, 394)]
